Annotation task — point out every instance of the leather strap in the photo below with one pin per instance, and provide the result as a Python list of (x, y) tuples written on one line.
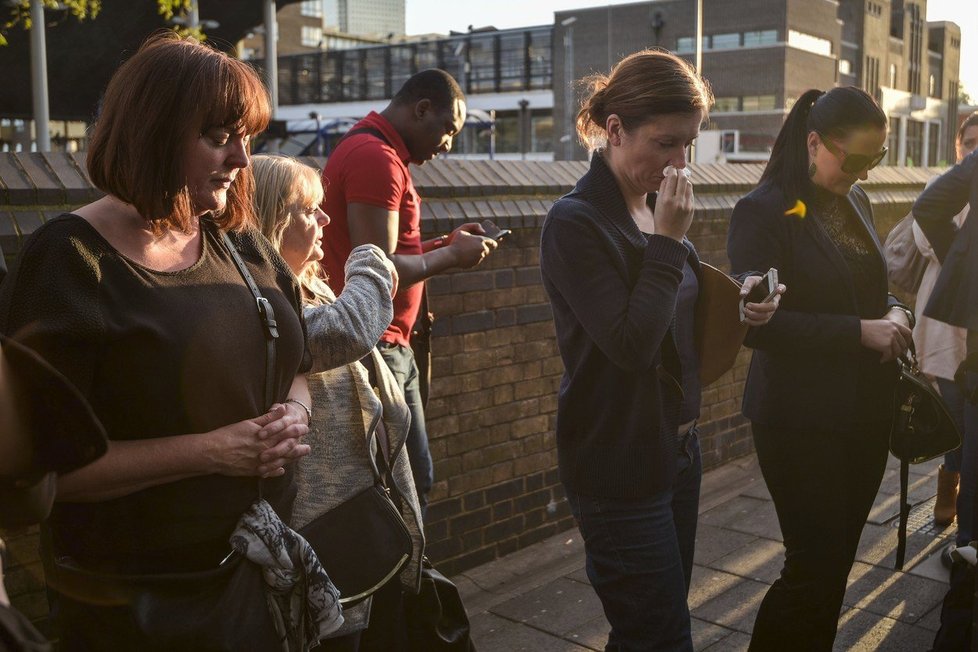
[(267, 315)]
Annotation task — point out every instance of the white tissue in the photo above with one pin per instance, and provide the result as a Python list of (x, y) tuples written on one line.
[(671, 170)]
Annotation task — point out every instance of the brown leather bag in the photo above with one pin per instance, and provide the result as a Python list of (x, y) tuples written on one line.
[(718, 331)]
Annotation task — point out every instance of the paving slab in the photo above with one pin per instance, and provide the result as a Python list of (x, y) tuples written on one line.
[(862, 631), (558, 607), (714, 542), (761, 560), (492, 633), (707, 584), (899, 596), (706, 634), (736, 608)]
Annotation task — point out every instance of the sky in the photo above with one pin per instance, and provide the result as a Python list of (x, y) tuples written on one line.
[(427, 16)]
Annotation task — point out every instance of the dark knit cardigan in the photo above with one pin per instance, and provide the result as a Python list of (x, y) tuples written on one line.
[(613, 293)]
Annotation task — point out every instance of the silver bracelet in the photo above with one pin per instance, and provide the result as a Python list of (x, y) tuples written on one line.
[(302, 405)]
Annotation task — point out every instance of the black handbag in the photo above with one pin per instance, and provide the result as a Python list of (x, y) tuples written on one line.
[(922, 429), (363, 542), (223, 609), (436, 619)]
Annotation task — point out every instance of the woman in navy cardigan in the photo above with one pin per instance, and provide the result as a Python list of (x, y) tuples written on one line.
[(621, 278), (819, 393)]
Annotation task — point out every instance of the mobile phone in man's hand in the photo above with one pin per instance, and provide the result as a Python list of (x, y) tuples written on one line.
[(493, 231)]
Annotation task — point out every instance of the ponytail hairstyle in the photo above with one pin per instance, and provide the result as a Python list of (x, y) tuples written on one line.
[(834, 114), (640, 87)]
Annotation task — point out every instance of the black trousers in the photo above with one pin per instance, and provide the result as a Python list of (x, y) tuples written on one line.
[(823, 485)]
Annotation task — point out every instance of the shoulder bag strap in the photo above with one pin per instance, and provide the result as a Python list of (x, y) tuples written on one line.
[(267, 316), (269, 327)]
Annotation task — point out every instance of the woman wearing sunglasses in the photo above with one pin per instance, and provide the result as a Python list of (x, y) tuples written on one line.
[(820, 388)]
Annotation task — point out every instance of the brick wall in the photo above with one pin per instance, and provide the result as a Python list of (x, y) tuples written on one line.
[(495, 363)]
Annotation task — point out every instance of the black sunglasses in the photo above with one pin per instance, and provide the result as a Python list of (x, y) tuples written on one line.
[(853, 163)]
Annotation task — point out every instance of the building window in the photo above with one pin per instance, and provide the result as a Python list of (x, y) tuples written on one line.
[(685, 44), (893, 76), (932, 86), (311, 36), (726, 104), (845, 67), (809, 43), (726, 41), (758, 102), (312, 8), (765, 37), (933, 143)]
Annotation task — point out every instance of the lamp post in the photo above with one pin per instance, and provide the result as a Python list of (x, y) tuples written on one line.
[(271, 55), (318, 150), (39, 78), (568, 139)]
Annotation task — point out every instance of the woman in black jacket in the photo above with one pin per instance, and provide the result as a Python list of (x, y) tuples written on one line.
[(820, 388), (622, 280)]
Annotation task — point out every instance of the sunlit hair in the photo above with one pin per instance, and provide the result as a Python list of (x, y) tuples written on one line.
[(834, 114), (283, 186), (970, 121), (640, 88), (169, 93)]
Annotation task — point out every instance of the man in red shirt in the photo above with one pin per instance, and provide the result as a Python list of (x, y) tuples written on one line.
[(370, 197)]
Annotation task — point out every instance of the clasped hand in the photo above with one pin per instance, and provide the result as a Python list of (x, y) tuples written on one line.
[(262, 446)]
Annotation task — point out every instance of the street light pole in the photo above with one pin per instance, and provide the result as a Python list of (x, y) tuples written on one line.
[(39, 78), (568, 139), (271, 54)]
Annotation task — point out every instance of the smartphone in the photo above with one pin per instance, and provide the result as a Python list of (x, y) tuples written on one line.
[(763, 292), (493, 231)]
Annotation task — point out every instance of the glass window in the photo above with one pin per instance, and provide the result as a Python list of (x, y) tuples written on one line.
[(311, 36), (809, 43), (512, 62), (685, 44), (482, 64), (726, 41), (764, 37), (312, 8), (933, 141), (541, 59), (758, 102), (845, 67), (542, 133), (726, 105), (893, 75)]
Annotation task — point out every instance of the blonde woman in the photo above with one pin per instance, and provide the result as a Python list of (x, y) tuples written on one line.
[(340, 332)]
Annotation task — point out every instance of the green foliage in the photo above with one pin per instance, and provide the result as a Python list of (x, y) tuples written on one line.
[(19, 14)]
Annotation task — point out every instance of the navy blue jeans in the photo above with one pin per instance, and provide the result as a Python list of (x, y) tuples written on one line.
[(639, 558), (400, 360)]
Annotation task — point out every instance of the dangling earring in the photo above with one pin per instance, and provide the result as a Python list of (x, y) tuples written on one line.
[(811, 170)]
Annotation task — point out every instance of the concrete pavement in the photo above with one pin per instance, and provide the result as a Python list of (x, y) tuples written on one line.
[(538, 599)]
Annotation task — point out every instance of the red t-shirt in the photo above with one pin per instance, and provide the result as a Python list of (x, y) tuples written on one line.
[(364, 169)]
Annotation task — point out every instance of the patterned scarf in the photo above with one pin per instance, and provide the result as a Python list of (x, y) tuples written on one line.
[(303, 601)]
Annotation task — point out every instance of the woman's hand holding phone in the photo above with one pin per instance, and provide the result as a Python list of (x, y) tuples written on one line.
[(760, 297)]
